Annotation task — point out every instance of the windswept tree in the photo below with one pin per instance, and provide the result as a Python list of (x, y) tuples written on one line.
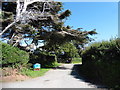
[(39, 20)]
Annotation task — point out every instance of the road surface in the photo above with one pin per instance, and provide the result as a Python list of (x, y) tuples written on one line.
[(62, 77)]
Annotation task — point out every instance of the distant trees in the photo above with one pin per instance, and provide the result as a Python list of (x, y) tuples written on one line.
[(69, 50), (66, 52)]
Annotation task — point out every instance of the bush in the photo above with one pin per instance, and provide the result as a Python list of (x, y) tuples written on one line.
[(44, 58), (101, 62), (13, 56)]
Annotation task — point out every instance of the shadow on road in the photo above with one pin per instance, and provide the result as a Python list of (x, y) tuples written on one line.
[(78, 75), (60, 67)]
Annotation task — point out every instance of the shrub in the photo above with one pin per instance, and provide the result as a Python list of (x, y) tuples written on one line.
[(101, 62), (44, 58), (13, 56)]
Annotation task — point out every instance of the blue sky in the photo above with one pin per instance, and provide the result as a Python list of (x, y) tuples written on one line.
[(102, 16)]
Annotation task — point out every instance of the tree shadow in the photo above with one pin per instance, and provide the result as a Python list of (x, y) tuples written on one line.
[(59, 67), (78, 75)]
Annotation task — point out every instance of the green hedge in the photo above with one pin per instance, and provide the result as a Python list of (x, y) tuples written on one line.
[(13, 56), (44, 58), (101, 62)]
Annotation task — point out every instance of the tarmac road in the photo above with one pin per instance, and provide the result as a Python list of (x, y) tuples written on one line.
[(62, 77)]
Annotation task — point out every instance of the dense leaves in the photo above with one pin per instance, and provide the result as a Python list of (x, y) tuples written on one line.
[(46, 59), (66, 52), (12, 56), (101, 62)]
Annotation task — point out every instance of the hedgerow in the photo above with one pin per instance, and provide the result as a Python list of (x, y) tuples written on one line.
[(13, 56), (101, 62), (44, 58)]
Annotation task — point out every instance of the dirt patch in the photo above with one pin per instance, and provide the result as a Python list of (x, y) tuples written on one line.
[(13, 78), (11, 75)]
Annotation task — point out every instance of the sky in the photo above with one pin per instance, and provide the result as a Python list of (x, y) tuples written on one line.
[(102, 16)]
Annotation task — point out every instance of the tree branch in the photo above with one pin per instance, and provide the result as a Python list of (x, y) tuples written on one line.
[(10, 25)]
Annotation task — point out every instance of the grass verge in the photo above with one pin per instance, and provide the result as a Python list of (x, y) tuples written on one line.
[(32, 73), (76, 60), (57, 64)]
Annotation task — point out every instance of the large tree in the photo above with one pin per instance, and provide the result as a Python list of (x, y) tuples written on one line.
[(39, 20)]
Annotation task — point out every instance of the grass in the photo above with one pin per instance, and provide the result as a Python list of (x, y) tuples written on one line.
[(32, 73), (76, 60), (57, 64)]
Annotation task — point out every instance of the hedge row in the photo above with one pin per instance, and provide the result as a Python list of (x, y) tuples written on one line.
[(12, 56), (44, 58), (101, 62)]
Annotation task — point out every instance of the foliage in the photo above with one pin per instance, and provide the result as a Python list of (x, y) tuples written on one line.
[(67, 35), (101, 62), (69, 50), (34, 27), (66, 51), (32, 73), (12, 56), (52, 31), (44, 58)]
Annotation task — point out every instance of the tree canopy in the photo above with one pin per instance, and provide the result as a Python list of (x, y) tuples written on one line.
[(35, 25)]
